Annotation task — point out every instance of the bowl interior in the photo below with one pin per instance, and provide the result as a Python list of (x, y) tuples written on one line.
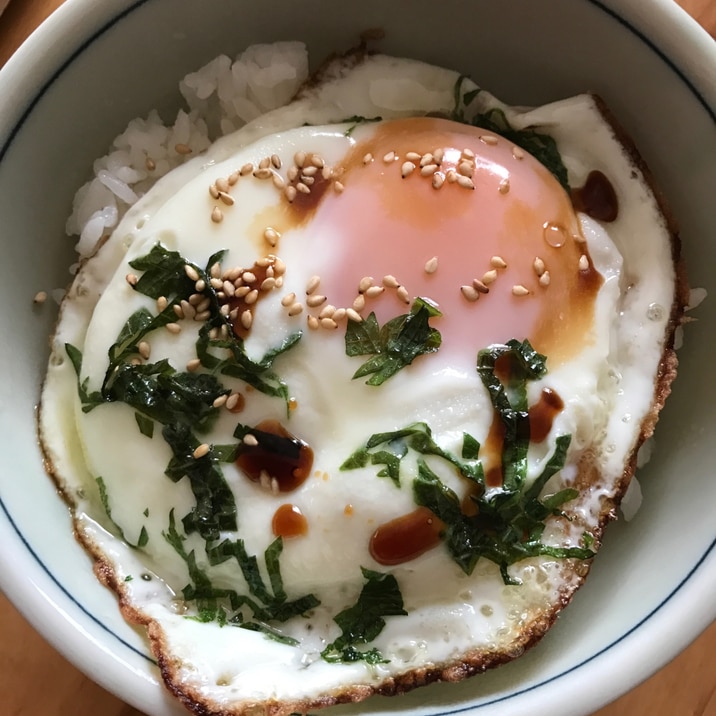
[(648, 593)]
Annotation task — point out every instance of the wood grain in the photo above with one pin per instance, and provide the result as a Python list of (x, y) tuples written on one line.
[(35, 679)]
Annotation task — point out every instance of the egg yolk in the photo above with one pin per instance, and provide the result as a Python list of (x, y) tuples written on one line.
[(463, 217)]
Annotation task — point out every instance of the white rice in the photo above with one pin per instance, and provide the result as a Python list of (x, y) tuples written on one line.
[(221, 97)]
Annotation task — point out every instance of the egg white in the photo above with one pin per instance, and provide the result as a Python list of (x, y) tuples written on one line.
[(607, 389)]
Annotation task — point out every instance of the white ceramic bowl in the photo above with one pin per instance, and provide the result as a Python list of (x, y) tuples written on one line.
[(93, 66)]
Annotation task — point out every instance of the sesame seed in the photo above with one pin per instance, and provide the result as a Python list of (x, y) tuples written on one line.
[(263, 173), (308, 180), (466, 169), (276, 161), (438, 180), (131, 279), (40, 297), (220, 401), (470, 293), (538, 265), (246, 169), (247, 319), (303, 188), (315, 300), (359, 303), (279, 281), (264, 163), (368, 158), (232, 401), (202, 316), (214, 334), (251, 297), (292, 174), (328, 311), (187, 309), (312, 322), (204, 304), (268, 283), (480, 286), (389, 157), (365, 283), (178, 311), (213, 191), (407, 169), (173, 328), (248, 277), (519, 290), (195, 299), (182, 148), (544, 279), (489, 139), (295, 308), (290, 192), (489, 277), (426, 159), (451, 176), (467, 152), (191, 272), (144, 349), (222, 184), (162, 303), (327, 172), (288, 300), (465, 182), (431, 265), (389, 281), (216, 283), (233, 314), (200, 285), (309, 171), (438, 155), (504, 186), (328, 323), (312, 284), (413, 156), (135, 361), (317, 161), (374, 291), (217, 215), (402, 294), (279, 266), (583, 263), (498, 262), (579, 238), (339, 314), (278, 181), (215, 270), (353, 315), (241, 291), (150, 164), (517, 153), (250, 440), (225, 310), (299, 159), (428, 170), (229, 289), (193, 365), (338, 187), (233, 178)]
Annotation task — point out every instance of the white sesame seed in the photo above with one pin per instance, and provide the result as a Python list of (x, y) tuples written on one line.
[(389, 157), (222, 184), (309, 171), (498, 262), (203, 305), (428, 170), (246, 169), (466, 169), (150, 164), (247, 319), (312, 322), (389, 281), (520, 290), (162, 303), (177, 311), (268, 283), (308, 180), (312, 284), (202, 316), (193, 365), (327, 311), (470, 293), (315, 300), (200, 285), (182, 148), (339, 314), (292, 173), (248, 277), (225, 310), (131, 279), (220, 401), (359, 303), (251, 297), (187, 309), (271, 236), (368, 158), (327, 172), (583, 262), (338, 187), (213, 191), (328, 323), (202, 450), (504, 186), (467, 152), (426, 159), (295, 308), (215, 270), (407, 169), (374, 291), (250, 440), (489, 277), (431, 265), (438, 180), (290, 193), (303, 188), (217, 215), (173, 328), (263, 173), (278, 181), (365, 283), (451, 176), (144, 349), (438, 155), (465, 182), (233, 178), (353, 315), (317, 161), (403, 294), (191, 272), (288, 300), (241, 291), (40, 297), (517, 153), (480, 286), (232, 401), (299, 159), (544, 279), (538, 265), (279, 266), (276, 161), (413, 156), (264, 163), (490, 139)]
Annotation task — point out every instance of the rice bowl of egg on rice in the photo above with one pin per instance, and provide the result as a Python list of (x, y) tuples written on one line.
[(532, 671)]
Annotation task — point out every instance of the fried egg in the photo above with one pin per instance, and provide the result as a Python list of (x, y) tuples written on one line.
[(343, 405)]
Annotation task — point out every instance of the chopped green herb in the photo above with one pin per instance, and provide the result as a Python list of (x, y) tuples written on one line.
[(394, 346), (145, 425), (363, 622), (143, 538), (128, 578)]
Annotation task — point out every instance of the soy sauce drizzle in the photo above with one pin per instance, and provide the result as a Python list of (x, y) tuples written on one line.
[(406, 537), (596, 198), (543, 413)]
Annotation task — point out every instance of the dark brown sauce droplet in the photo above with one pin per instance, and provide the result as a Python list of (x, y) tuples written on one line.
[(288, 521), (279, 456), (406, 537), (543, 413), (597, 198)]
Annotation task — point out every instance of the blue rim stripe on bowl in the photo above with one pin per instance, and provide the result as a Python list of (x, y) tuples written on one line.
[(711, 111)]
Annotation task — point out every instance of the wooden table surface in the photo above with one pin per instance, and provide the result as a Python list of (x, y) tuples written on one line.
[(35, 679)]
